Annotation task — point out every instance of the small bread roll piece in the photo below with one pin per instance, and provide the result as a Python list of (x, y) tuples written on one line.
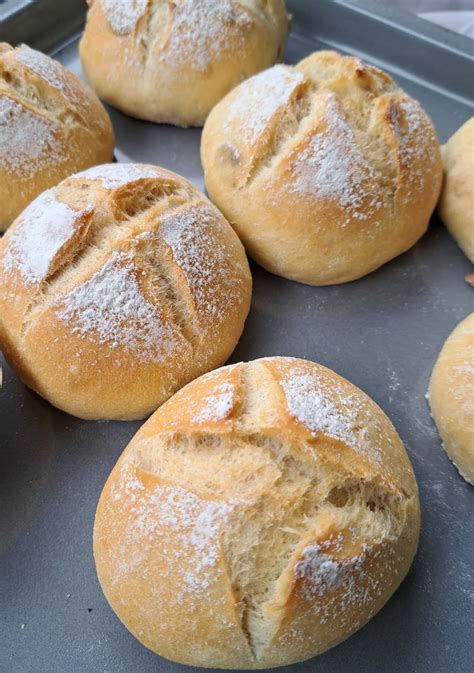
[(51, 125), (117, 287), (261, 516), (171, 62), (326, 170), (456, 206), (451, 397)]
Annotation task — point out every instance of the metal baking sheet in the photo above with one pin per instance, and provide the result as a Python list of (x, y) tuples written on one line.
[(382, 332)]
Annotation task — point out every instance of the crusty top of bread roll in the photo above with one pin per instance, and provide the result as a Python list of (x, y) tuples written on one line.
[(326, 169), (117, 287), (51, 125), (193, 33), (451, 396), (456, 205), (259, 517), (172, 61)]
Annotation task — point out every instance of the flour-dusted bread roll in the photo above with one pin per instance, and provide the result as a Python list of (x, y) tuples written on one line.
[(51, 125), (261, 516), (117, 287), (173, 61), (451, 397), (326, 170), (456, 206)]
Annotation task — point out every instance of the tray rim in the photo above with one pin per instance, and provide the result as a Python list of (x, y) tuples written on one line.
[(74, 35), (452, 53), (22, 22), (43, 24), (412, 23)]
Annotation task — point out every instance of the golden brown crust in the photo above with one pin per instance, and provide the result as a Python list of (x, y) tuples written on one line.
[(51, 125), (326, 170), (456, 205), (451, 397), (117, 287), (171, 62), (261, 516)]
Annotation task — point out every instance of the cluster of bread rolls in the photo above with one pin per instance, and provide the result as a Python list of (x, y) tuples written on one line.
[(266, 510)]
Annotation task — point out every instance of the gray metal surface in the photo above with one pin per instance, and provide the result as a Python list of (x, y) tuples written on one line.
[(382, 332), (41, 23)]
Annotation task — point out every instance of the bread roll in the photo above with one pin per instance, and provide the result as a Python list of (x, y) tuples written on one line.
[(261, 516), (456, 206), (326, 170), (51, 125), (451, 397), (117, 287), (173, 61)]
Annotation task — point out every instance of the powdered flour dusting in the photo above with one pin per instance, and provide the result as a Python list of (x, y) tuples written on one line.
[(123, 15), (323, 572), (331, 166), (111, 308), (191, 234), (47, 68), (335, 413), (114, 176), (311, 405), (29, 139), (260, 98), (175, 519), (45, 226), (200, 31), (217, 406)]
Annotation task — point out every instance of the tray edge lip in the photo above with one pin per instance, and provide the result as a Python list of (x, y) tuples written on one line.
[(413, 24), (392, 17), (25, 27)]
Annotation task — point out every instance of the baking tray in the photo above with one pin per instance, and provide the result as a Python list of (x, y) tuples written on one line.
[(382, 332)]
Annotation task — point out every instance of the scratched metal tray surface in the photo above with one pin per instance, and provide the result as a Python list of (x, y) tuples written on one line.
[(382, 332)]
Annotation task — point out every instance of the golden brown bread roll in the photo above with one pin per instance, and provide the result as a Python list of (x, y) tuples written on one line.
[(261, 516), (451, 397), (456, 205), (326, 170), (51, 125), (117, 287), (172, 61)]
